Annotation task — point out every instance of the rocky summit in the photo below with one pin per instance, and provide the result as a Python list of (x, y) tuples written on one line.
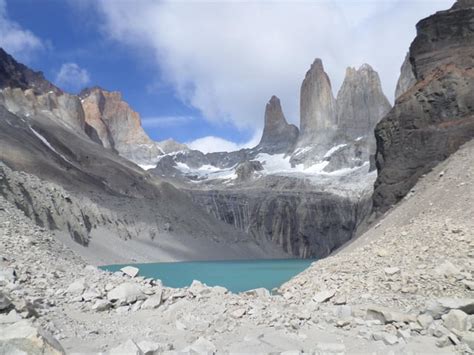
[(278, 136), (360, 102), (317, 106), (381, 196)]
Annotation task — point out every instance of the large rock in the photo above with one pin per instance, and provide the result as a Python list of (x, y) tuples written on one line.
[(386, 315), (436, 115), (456, 319), (5, 303), (361, 103), (278, 136), (317, 107), (126, 293), (23, 338), (131, 271)]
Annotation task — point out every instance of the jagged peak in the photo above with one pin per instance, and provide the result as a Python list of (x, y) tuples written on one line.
[(274, 113), (363, 69), (97, 89), (278, 135), (273, 100), (317, 64), (316, 69)]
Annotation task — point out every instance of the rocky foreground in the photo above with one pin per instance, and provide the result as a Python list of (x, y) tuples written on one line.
[(405, 285)]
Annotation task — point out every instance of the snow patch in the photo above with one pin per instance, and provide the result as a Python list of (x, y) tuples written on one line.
[(333, 150), (300, 151), (45, 141), (278, 163), (146, 167), (207, 171)]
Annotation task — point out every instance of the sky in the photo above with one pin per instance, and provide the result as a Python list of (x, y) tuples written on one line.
[(201, 72)]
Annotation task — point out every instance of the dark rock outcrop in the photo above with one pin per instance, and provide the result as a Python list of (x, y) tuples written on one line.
[(318, 120), (246, 170), (278, 136), (299, 223), (447, 37), (17, 75), (361, 103), (435, 116)]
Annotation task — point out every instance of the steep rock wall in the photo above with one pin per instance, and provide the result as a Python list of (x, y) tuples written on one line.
[(434, 117), (304, 224)]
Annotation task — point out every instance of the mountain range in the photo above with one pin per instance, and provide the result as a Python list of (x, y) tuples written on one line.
[(302, 191)]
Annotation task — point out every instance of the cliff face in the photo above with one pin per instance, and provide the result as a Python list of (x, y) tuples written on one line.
[(360, 102), (63, 108), (317, 106), (118, 126), (278, 136), (435, 116), (306, 225)]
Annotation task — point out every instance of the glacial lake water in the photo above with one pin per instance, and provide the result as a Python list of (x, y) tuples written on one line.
[(236, 276)]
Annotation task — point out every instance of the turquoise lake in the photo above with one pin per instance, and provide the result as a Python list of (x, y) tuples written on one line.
[(236, 276)]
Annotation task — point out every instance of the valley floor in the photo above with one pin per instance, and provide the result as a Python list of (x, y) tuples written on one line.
[(406, 285)]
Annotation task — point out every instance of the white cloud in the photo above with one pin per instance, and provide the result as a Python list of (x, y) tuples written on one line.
[(72, 76), (166, 121), (17, 41), (216, 144), (227, 58)]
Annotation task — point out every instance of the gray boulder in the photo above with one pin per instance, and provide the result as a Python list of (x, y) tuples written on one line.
[(126, 293)]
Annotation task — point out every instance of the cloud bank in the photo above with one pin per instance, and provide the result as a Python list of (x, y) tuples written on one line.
[(227, 58), (19, 42), (211, 144), (72, 76)]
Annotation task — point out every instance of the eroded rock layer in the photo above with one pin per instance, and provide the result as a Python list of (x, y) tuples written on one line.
[(298, 222)]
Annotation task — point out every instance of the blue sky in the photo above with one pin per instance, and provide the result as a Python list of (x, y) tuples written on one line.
[(199, 69), (71, 35)]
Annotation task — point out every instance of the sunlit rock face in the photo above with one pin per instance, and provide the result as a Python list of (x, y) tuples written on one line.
[(64, 108), (360, 102), (118, 126), (318, 121)]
